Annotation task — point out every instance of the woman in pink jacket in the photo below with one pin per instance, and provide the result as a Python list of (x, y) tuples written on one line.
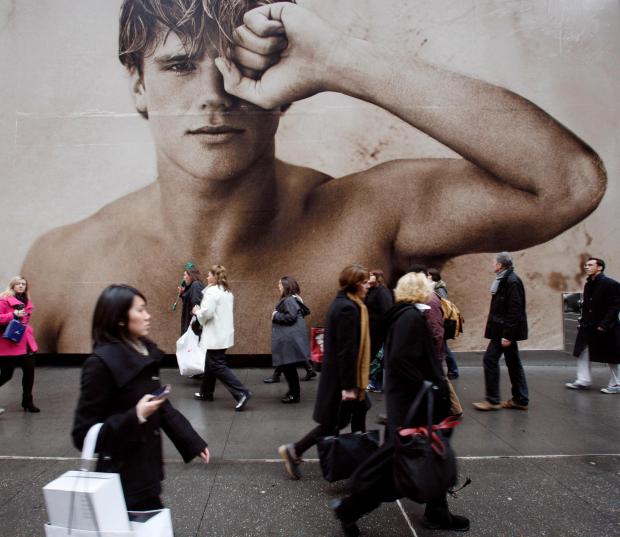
[(15, 304)]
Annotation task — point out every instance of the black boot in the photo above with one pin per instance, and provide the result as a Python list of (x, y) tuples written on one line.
[(349, 527), (310, 373), (274, 378), (28, 405)]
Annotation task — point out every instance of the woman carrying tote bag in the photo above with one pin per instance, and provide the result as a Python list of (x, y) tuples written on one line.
[(410, 360), (341, 396), (120, 388)]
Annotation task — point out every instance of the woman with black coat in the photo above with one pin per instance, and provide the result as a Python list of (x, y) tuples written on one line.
[(290, 342), (410, 360), (191, 295), (116, 386), (378, 301), (341, 397)]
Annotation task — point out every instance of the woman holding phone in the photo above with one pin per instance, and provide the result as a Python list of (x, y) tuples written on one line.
[(120, 388), (15, 304)]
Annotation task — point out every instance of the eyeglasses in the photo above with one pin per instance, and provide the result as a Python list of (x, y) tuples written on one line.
[(588, 265)]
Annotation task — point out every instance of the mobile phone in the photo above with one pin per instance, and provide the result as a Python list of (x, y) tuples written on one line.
[(159, 393)]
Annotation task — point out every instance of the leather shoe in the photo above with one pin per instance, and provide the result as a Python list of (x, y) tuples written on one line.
[(512, 404), (452, 523), (203, 397), (242, 401), (272, 380), (288, 399), (349, 528), (310, 374), (485, 405)]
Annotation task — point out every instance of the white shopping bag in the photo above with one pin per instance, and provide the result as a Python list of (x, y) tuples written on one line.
[(190, 356), (92, 504)]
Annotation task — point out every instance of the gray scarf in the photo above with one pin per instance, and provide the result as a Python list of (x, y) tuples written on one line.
[(500, 275)]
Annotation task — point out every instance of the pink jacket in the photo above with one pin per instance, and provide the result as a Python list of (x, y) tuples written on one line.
[(27, 343)]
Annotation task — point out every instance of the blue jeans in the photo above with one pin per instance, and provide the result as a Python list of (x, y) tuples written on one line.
[(453, 368), (515, 371)]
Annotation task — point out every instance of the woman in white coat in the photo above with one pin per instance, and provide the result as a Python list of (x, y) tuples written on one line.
[(215, 314)]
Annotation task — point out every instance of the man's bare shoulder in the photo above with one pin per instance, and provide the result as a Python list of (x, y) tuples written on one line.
[(90, 238)]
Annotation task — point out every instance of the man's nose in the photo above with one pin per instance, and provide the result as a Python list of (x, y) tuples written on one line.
[(212, 93)]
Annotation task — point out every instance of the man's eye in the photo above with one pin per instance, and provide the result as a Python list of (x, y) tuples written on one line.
[(182, 67)]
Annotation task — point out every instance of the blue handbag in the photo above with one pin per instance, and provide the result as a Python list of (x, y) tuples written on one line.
[(14, 331)]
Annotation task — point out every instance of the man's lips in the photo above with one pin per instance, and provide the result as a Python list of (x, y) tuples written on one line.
[(214, 130)]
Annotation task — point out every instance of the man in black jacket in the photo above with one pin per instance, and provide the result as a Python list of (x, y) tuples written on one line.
[(598, 338), (506, 324)]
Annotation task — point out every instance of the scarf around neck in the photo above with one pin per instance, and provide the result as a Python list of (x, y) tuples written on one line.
[(363, 353), (495, 284)]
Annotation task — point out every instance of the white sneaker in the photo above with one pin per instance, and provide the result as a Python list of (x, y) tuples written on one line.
[(577, 386), (1, 411), (611, 389)]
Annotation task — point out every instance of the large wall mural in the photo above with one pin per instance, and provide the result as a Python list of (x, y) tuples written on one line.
[(326, 133)]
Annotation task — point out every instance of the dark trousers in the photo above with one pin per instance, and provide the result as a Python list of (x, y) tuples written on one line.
[(216, 369), (144, 504), (355, 409), (292, 379), (515, 371), (26, 363), (279, 369)]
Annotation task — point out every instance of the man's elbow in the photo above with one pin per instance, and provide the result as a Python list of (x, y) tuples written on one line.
[(586, 183)]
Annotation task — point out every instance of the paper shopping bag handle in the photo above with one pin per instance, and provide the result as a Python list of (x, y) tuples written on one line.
[(90, 442)]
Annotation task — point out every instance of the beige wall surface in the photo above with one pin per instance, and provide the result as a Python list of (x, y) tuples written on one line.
[(71, 142)]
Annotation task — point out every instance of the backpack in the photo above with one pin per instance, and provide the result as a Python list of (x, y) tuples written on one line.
[(452, 319)]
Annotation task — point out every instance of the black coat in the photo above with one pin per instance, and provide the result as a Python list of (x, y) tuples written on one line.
[(191, 296), (114, 378), (339, 368), (378, 300), (600, 308), (507, 318), (410, 359)]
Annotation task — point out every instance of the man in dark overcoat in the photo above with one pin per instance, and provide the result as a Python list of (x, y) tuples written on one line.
[(506, 324), (598, 337)]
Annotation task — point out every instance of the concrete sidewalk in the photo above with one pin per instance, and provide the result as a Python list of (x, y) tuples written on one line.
[(551, 471)]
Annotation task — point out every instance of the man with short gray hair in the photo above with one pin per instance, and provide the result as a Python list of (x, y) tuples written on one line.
[(506, 324)]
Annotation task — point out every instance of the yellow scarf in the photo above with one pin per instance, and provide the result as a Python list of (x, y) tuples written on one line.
[(363, 354)]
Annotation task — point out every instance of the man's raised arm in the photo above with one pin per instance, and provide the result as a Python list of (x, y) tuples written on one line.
[(526, 175)]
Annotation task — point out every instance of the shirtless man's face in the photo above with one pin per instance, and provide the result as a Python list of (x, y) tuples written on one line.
[(199, 128)]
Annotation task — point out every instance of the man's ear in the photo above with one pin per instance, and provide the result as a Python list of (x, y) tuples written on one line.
[(138, 93)]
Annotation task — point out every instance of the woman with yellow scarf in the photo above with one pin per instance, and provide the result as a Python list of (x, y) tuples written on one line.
[(341, 397)]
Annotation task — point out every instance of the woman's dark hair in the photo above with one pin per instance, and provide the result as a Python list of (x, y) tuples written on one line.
[(351, 276), (112, 314), (434, 274), (194, 274), (289, 286), (378, 274)]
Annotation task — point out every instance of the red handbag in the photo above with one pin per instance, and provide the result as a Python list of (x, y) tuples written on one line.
[(316, 344)]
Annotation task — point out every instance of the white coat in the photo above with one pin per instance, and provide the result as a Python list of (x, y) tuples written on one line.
[(216, 317)]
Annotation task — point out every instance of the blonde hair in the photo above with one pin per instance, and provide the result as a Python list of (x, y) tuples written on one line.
[(413, 287), (219, 271), (10, 291)]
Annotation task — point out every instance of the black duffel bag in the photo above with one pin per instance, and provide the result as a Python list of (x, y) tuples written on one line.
[(341, 454), (424, 464)]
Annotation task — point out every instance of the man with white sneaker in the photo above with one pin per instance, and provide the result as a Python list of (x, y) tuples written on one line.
[(598, 337)]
